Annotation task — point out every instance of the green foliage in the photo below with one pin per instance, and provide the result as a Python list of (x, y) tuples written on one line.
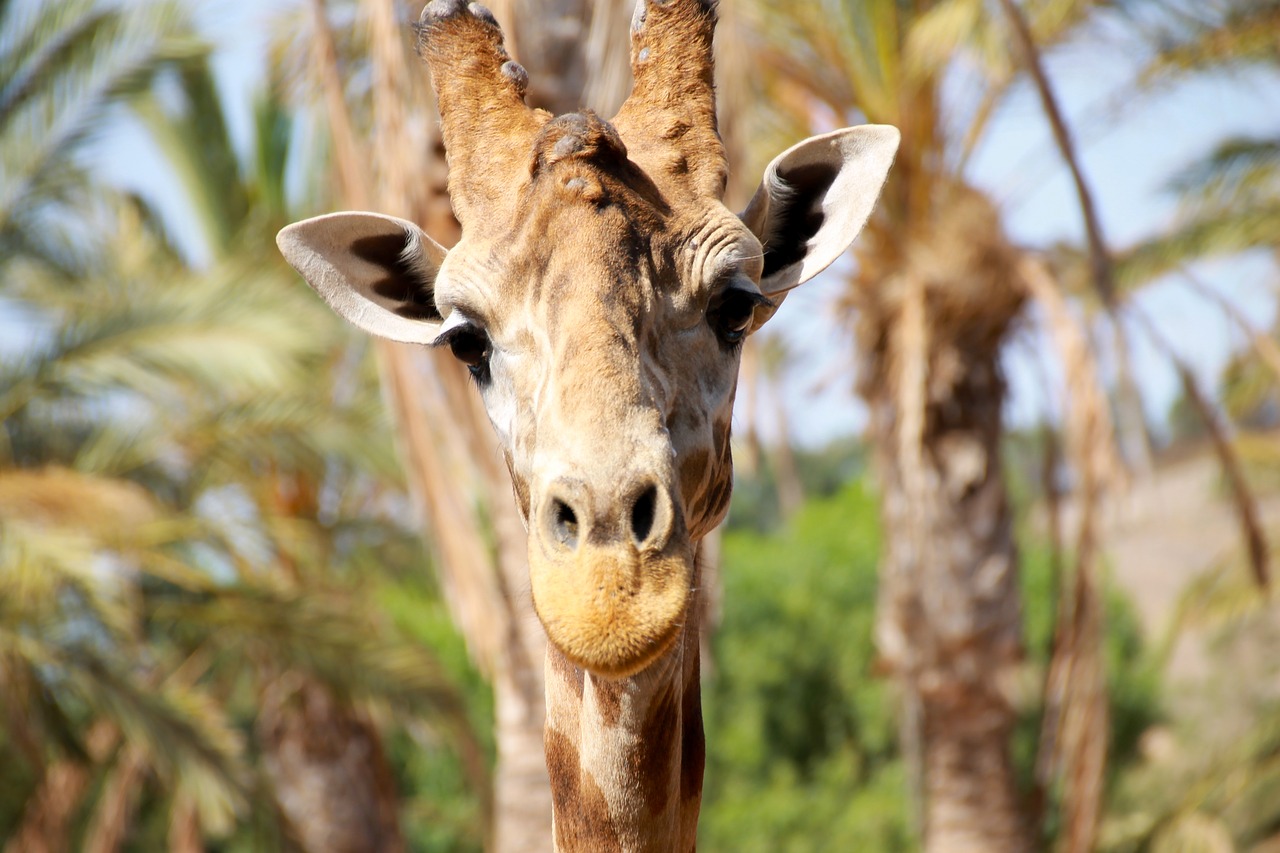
[(822, 472), (802, 729), (802, 732), (198, 493), (1249, 394), (1217, 767), (440, 811), (63, 65)]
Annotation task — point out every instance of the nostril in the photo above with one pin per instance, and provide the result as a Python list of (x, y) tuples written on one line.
[(564, 523), (642, 514)]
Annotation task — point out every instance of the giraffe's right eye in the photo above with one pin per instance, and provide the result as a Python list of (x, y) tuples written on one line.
[(470, 345), (730, 315)]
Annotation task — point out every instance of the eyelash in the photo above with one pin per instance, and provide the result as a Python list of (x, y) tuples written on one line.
[(470, 345), (731, 329)]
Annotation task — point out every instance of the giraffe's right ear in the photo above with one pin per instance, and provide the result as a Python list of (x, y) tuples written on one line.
[(377, 271), (815, 198)]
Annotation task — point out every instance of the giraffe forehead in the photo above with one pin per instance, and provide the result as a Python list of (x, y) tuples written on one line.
[(597, 227)]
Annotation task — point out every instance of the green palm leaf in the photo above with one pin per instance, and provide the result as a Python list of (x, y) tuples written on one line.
[(327, 636), (192, 134), (64, 64)]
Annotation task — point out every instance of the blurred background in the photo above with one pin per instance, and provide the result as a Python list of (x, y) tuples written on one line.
[(1008, 476)]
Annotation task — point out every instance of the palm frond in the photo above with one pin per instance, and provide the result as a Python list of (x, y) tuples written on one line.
[(938, 33), (273, 130), (59, 579), (1208, 233), (192, 337), (1237, 171), (1230, 34), (68, 629), (192, 134), (182, 731), (1194, 833), (1219, 599), (1242, 496), (64, 65), (326, 636), (47, 47)]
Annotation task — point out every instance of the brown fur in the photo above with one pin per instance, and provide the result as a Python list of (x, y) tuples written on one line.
[(658, 749), (581, 812)]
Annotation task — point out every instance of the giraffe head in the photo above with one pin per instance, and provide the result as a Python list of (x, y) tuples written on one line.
[(599, 296)]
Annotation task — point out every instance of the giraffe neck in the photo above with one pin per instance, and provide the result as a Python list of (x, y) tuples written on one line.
[(626, 757)]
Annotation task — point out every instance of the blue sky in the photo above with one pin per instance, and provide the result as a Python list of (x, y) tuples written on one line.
[(1129, 148)]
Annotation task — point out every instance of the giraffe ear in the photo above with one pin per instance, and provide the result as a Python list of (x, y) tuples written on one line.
[(815, 198), (377, 271)]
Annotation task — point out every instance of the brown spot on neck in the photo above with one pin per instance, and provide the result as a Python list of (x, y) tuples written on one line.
[(582, 823), (630, 755), (608, 696), (657, 750), (565, 671), (693, 745)]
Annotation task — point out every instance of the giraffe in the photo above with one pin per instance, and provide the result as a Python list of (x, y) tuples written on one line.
[(599, 296)]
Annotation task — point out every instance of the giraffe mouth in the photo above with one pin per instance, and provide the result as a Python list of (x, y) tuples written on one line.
[(613, 611)]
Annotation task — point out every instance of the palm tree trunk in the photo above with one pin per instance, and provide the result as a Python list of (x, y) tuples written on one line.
[(970, 806), (787, 474), (46, 821), (325, 761), (117, 802), (949, 616)]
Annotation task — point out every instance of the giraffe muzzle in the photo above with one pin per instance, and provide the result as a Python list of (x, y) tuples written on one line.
[(610, 577)]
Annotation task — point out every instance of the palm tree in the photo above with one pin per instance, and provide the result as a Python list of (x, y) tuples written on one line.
[(936, 287), (166, 493), (1222, 798), (186, 420), (1231, 204), (67, 627), (323, 753), (776, 364)]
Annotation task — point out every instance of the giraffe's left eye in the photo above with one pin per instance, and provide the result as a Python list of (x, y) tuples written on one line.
[(470, 345), (731, 314)]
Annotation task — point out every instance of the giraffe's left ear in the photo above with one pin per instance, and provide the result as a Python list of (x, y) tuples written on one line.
[(377, 271), (815, 198)]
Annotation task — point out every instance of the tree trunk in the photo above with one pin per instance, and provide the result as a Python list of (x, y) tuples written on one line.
[(110, 825), (949, 621), (970, 803), (785, 471), (46, 821), (184, 827), (522, 792), (325, 761)]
